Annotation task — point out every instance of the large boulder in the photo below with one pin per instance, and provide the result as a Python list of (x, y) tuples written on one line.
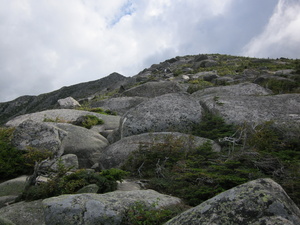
[(85, 144), (153, 89), (13, 187), (119, 105), (61, 139), (106, 208), (257, 202), (170, 112), (42, 136), (64, 116), (25, 213), (283, 110), (243, 89), (68, 103), (116, 154)]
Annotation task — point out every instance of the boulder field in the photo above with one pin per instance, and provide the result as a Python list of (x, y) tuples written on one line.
[(150, 113)]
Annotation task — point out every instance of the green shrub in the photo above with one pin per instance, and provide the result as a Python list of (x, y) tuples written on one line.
[(213, 127), (196, 85), (191, 174), (281, 86), (11, 159), (88, 121), (14, 162), (139, 213), (64, 183)]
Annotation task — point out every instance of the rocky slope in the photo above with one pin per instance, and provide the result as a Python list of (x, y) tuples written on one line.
[(158, 110)]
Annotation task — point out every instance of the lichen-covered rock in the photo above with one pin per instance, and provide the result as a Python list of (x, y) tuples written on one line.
[(283, 110), (85, 144), (91, 188), (116, 154), (25, 213), (64, 116), (170, 112), (260, 201), (6, 200), (119, 105), (4, 221), (243, 89), (69, 161), (13, 187), (42, 136), (61, 139), (106, 209), (68, 103), (153, 89)]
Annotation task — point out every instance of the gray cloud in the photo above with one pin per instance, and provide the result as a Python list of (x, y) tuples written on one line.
[(45, 45)]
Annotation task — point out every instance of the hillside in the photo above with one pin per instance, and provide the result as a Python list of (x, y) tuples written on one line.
[(280, 75), (215, 135)]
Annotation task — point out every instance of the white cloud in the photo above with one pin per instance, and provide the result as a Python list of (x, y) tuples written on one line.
[(47, 44), (281, 35)]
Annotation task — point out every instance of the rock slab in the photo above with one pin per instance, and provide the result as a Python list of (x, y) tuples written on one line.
[(257, 202), (106, 209)]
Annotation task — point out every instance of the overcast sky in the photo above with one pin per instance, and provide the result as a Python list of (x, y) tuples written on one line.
[(47, 44)]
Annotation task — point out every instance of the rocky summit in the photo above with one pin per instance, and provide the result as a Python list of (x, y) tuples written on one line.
[(197, 139)]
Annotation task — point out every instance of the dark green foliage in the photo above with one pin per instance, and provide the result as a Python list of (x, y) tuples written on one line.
[(64, 183), (88, 121), (213, 127), (139, 213), (14, 162), (11, 159), (279, 86), (191, 174)]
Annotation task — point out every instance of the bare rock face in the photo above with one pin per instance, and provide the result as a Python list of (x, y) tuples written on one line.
[(64, 116), (119, 105), (252, 104), (25, 213), (115, 155), (243, 89), (42, 136), (85, 144), (153, 89), (106, 208), (170, 112), (61, 139), (260, 201), (68, 103)]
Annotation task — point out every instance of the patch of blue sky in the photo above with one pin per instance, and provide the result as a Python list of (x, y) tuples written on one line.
[(127, 9)]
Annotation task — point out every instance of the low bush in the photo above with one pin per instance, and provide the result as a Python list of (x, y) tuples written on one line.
[(11, 159), (139, 213), (88, 121), (64, 183)]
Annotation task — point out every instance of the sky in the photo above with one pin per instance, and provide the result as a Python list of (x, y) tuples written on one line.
[(48, 44)]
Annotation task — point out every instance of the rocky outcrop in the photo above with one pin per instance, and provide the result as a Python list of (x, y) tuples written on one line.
[(29, 104), (109, 208), (258, 202), (116, 154), (153, 89), (243, 89), (25, 213), (85, 144), (42, 136), (170, 112), (283, 110), (68, 103), (119, 105), (61, 139), (64, 116), (11, 189)]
